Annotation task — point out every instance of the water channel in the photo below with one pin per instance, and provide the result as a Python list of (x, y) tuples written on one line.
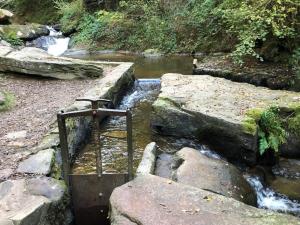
[(139, 99)]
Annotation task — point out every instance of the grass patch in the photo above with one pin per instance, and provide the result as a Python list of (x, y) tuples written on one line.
[(9, 102)]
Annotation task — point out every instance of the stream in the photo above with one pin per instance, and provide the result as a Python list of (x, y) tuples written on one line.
[(139, 99), (55, 43)]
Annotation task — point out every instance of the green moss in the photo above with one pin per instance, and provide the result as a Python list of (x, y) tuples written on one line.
[(161, 101), (250, 122), (249, 126), (8, 102)]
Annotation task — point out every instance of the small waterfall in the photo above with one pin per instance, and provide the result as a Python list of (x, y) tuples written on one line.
[(55, 43), (268, 199)]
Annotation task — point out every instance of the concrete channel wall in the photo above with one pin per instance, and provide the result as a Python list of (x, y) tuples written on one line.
[(44, 199)]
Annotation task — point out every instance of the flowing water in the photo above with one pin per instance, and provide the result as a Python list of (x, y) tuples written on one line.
[(269, 199), (140, 99), (113, 133), (55, 43)]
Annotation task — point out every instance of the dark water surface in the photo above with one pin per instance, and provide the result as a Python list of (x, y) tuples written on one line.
[(150, 67)]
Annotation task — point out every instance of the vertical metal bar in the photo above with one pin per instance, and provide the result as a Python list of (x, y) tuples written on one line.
[(64, 147), (96, 138), (129, 144)]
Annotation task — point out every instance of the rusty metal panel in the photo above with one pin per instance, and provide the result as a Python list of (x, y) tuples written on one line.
[(90, 196), (91, 190)]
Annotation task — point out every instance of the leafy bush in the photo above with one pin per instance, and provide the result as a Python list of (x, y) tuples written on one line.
[(12, 38), (71, 13), (262, 29), (258, 22)]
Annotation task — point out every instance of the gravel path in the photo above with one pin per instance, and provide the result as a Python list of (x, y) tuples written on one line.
[(37, 100)]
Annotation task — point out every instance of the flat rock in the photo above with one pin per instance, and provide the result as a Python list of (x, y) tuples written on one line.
[(151, 200), (34, 61), (214, 110), (213, 175), (29, 202), (39, 163), (25, 32)]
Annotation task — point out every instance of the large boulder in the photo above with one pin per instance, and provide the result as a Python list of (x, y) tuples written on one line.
[(213, 175), (5, 16), (151, 200), (215, 110), (36, 61), (33, 201), (25, 32)]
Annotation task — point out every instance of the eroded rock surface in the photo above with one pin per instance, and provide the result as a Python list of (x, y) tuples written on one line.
[(36, 61), (214, 110), (151, 200), (39, 163), (213, 175), (32, 201)]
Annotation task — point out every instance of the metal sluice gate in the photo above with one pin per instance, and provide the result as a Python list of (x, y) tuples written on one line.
[(90, 192)]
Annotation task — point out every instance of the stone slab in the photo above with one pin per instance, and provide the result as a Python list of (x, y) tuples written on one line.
[(214, 110), (34, 61), (39, 163), (151, 200), (28, 202)]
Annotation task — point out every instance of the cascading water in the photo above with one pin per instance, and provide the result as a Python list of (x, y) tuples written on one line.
[(113, 134), (55, 43), (269, 199)]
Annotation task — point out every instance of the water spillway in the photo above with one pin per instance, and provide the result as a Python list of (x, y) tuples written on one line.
[(55, 43)]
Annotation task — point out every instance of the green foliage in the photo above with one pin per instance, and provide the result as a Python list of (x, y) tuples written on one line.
[(71, 13), (271, 132), (35, 11), (12, 38), (250, 124), (260, 21), (8, 103), (259, 29)]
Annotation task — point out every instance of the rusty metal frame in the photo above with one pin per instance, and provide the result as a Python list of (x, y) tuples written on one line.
[(95, 113)]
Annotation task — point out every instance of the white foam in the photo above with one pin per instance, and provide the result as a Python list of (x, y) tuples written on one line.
[(60, 46), (268, 199)]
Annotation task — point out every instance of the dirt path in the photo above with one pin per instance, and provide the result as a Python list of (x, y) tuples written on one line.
[(37, 101)]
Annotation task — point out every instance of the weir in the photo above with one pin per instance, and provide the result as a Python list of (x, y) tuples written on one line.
[(90, 192)]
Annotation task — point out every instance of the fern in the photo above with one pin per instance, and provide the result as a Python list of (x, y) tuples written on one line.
[(271, 132)]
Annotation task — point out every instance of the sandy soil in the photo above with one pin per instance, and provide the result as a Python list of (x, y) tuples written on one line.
[(37, 100)]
